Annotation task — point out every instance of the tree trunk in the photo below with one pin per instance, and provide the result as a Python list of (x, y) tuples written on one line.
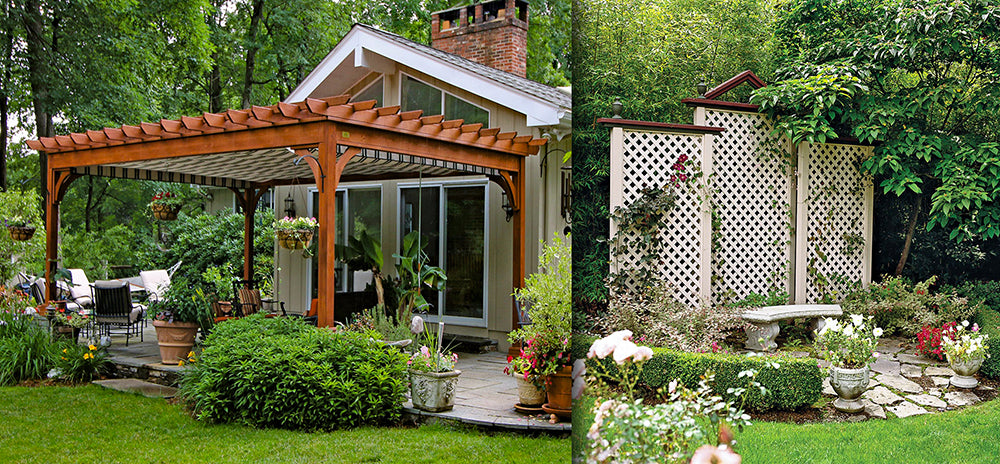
[(38, 79), (910, 230), (5, 91), (251, 55)]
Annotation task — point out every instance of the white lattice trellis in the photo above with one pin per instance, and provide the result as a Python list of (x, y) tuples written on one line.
[(647, 158), (751, 189)]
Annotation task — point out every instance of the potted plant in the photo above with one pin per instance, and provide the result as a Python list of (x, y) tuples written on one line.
[(177, 318), (850, 348), (20, 228), (67, 324), (414, 274), (966, 352), (165, 206), (530, 385), (433, 375), (295, 233), (546, 341)]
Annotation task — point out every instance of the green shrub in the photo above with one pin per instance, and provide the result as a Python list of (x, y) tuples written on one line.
[(78, 363), (281, 372), (795, 383), (26, 355), (985, 293), (989, 322), (899, 307)]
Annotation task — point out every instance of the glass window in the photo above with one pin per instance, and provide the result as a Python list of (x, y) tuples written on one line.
[(419, 96), (456, 108), (372, 92), (364, 215)]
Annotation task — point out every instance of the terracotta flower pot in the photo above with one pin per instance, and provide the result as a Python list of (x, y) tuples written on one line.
[(19, 233), (293, 239), (559, 388), (176, 339), (165, 212), (433, 391)]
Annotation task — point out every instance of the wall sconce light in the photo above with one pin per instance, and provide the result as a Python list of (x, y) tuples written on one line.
[(505, 204), (566, 208), (289, 206)]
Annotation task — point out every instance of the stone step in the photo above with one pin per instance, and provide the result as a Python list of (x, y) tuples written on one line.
[(142, 387)]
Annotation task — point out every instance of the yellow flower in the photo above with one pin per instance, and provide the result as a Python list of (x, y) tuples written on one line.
[(87, 356), (191, 354), (92, 348), (180, 362), (64, 350)]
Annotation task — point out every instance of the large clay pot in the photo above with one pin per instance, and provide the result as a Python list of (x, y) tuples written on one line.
[(559, 388), (175, 339), (530, 395), (965, 372), (433, 391), (849, 385)]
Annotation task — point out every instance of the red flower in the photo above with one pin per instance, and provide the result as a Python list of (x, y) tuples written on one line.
[(682, 158)]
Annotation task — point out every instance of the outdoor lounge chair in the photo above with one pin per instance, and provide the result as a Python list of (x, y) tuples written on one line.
[(79, 288), (38, 293), (156, 283), (114, 311)]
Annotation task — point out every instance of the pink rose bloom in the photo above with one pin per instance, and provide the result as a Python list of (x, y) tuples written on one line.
[(624, 351), (643, 353), (708, 454)]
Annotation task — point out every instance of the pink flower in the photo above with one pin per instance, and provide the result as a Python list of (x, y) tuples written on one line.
[(624, 351), (708, 454), (643, 353)]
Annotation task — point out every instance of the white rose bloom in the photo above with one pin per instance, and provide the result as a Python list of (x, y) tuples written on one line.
[(624, 351)]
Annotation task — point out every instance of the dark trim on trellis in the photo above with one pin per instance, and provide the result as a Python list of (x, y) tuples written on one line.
[(162, 176), (744, 77), (721, 104), (682, 128)]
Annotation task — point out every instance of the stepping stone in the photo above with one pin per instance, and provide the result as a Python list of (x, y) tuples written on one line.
[(937, 370), (897, 382), (961, 398), (906, 409), (986, 388), (927, 400), (935, 392), (909, 370), (874, 410), (888, 346), (940, 381), (147, 389), (911, 359), (827, 388), (881, 395), (884, 365)]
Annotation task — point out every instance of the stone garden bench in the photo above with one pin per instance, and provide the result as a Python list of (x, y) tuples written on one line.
[(764, 321)]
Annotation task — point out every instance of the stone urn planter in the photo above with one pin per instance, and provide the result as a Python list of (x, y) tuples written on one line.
[(165, 212), (176, 339), (433, 391), (965, 372), (293, 239), (849, 385), (20, 233), (559, 389), (530, 396)]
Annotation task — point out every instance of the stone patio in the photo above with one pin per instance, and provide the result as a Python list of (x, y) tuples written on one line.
[(485, 396)]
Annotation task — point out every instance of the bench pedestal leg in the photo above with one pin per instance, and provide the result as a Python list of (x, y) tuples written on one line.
[(817, 325), (761, 335)]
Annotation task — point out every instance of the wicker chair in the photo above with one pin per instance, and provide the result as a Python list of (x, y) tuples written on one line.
[(114, 311), (246, 299)]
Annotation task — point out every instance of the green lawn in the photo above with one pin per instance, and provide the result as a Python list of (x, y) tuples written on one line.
[(95, 425), (971, 435)]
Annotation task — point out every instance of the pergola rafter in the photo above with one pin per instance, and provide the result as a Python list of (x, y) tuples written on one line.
[(253, 149)]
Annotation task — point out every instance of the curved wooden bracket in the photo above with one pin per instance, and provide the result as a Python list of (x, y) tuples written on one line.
[(61, 184), (342, 160), (313, 163), (506, 183)]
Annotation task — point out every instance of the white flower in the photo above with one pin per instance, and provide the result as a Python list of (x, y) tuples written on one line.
[(965, 323), (848, 331), (857, 319), (644, 353), (877, 332), (624, 351), (672, 386)]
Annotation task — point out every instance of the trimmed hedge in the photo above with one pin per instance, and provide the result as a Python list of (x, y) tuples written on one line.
[(281, 372), (796, 383), (989, 322)]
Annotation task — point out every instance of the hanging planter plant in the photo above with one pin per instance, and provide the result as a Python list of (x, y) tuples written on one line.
[(165, 206), (295, 233), (19, 228)]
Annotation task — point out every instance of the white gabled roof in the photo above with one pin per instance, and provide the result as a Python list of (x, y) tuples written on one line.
[(542, 105)]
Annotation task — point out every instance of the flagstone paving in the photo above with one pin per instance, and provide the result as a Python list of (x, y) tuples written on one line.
[(905, 384)]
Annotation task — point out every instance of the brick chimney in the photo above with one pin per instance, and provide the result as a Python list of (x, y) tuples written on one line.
[(493, 33)]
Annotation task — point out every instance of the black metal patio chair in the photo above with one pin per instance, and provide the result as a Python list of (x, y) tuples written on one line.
[(114, 311)]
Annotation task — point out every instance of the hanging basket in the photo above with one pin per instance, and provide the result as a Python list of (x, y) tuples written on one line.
[(293, 239), (21, 233), (165, 212)]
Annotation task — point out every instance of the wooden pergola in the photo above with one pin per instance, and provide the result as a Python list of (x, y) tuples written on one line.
[(319, 141)]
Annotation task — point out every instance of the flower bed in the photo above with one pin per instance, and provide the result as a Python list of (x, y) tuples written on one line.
[(989, 323), (795, 383)]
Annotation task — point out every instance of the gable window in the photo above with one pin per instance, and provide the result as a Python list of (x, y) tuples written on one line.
[(416, 95), (372, 92)]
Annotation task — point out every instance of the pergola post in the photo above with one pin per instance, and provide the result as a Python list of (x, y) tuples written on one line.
[(56, 183), (327, 154), (519, 236), (249, 206)]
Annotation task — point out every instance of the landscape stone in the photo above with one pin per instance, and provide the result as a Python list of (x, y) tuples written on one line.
[(888, 346), (927, 400), (874, 410), (906, 409), (897, 382), (911, 359), (934, 391), (940, 381), (937, 370), (885, 365), (910, 370), (986, 388), (827, 388), (882, 395), (961, 398)]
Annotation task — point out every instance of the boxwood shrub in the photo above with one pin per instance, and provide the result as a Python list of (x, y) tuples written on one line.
[(796, 383), (989, 322), (281, 372)]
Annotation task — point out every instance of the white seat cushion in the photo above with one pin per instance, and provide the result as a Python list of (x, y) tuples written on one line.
[(80, 288), (155, 282)]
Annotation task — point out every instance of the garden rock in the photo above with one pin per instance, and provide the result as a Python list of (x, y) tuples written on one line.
[(887, 346), (827, 388), (874, 410), (935, 392), (884, 365), (927, 400), (938, 370), (910, 370), (882, 395), (906, 409), (961, 398), (911, 359), (940, 381), (897, 382)]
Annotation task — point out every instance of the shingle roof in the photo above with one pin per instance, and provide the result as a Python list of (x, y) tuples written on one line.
[(549, 94)]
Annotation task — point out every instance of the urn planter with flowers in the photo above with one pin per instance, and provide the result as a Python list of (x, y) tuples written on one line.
[(966, 350), (850, 348), (295, 233), (165, 206), (433, 377), (19, 228)]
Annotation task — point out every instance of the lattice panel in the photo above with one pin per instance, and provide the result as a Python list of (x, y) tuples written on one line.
[(647, 163), (751, 189), (835, 206)]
